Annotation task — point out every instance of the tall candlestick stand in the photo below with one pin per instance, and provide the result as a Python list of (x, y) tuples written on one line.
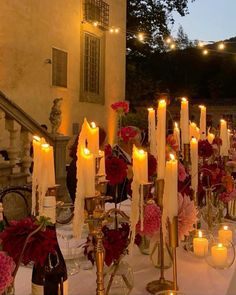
[(161, 284), (174, 242), (187, 155)]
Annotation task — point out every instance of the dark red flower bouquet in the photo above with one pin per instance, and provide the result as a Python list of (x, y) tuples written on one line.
[(116, 170), (115, 243), (39, 244), (205, 149)]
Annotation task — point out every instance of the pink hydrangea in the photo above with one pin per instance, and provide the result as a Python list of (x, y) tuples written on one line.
[(7, 267), (151, 220), (120, 106), (187, 215), (182, 175)]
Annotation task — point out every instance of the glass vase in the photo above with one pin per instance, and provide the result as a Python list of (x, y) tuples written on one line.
[(144, 245), (155, 255), (119, 279)]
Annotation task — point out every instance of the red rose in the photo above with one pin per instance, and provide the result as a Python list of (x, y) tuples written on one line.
[(204, 148), (116, 170)]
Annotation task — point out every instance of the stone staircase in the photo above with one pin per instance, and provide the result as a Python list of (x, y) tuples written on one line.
[(16, 131)]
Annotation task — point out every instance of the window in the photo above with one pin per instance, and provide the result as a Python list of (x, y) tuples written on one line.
[(91, 64), (92, 69), (59, 68), (97, 11)]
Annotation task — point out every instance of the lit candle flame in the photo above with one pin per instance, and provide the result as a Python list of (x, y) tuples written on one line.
[(200, 234), (45, 145), (141, 152), (202, 107), (37, 138), (176, 125), (150, 109), (194, 139), (225, 227), (162, 101), (184, 99), (86, 151), (93, 125), (222, 120), (220, 245), (172, 157), (193, 124)]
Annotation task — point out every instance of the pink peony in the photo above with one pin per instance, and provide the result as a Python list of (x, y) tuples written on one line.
[(120, 107), (182, 175), (187, 215), (7, 267), (151, 220)]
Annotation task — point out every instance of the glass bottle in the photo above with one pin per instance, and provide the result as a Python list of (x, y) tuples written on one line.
[(51, 278)]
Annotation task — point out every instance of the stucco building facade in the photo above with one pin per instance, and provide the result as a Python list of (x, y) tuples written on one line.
[(74, 49)]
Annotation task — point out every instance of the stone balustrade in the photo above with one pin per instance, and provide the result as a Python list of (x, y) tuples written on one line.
[(16, 132)]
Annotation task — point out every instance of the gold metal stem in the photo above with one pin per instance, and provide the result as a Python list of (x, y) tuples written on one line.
[(99, 254)]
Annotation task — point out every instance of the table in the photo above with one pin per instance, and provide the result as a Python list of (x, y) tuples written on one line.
[(195, 277)]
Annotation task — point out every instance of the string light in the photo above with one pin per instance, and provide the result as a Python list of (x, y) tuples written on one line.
[(221, 46)]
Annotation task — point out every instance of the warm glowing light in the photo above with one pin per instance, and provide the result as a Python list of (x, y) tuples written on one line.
[(141, 37), (194, 139), (93, 125), (117, 30), (222, 120), (86, 151), (225, 227), (200, 44), (172, 46), (172, 157), (150, 109), (95, 24), (162, 101), (45, 145), (220, 245), (200, 234), (202, 107), (176, 125), (193, 124), (184, 99), (168, 40), (111, 30), (37, 138), (205, 52), (221, 46), (141, 152)]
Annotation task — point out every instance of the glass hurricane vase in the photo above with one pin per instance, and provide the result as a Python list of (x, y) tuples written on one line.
[(119, 279)]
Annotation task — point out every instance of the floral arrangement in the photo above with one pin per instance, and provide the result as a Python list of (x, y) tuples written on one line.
[(127, 133), (187, 215), (205, 149), (115, 243), (39, 242), (120, 107), (116, 169), (7, 267), (151, 221)]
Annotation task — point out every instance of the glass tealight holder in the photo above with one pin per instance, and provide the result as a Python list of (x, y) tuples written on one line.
[(225, 232), (220, 255), (198, 243), (169, 292)]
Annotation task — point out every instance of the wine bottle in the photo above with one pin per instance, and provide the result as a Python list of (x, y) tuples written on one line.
[(51, 278)]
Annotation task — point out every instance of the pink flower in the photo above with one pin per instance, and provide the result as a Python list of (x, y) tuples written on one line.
[(120, 107), (151, 220), (226, 197), (7, 267), (181, 172), (126, 133), (187, 215)]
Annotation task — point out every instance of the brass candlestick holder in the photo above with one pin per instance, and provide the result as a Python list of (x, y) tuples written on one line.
[(174, 242), (161, 284)]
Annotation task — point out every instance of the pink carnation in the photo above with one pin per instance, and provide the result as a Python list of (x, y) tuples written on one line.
[(187, 215), (182, 175), (151, 220), (7, 267), (120, 106)]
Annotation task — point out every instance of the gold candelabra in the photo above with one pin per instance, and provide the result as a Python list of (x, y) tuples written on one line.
[(186, 155), (160, 284)]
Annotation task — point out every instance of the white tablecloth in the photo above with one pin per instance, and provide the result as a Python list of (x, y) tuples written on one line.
[(195, 277)]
